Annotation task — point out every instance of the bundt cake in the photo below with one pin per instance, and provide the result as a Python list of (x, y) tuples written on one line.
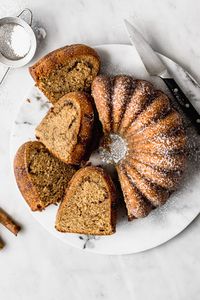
[(66, 129), (41, 177), (89, 205), (68, 69), (154, 140)]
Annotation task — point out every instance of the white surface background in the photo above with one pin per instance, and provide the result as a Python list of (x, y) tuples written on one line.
[(35, 265)]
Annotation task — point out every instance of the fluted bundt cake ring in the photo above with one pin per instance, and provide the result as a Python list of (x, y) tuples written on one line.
[(153, 132)]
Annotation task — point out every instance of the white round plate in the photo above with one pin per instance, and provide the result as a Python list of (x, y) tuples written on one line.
[(163, 223)]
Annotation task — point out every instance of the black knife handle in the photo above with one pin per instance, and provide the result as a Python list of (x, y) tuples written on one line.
[(184, 103)]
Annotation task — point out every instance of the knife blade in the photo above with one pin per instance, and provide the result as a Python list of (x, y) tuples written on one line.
[(155, 67)]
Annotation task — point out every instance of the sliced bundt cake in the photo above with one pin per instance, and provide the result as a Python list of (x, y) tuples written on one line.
[(68, 69), (66, 129), (89, 205), (154, 136), (41, 177)]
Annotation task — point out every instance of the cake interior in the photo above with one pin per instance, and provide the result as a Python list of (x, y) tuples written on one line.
[(49, 175), (58, 135), (74, 75), (88, 208)]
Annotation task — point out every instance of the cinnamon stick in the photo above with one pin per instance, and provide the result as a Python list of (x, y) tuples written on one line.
[(1, 244), (8, 222)]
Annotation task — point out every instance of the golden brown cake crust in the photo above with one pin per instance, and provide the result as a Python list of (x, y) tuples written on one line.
[(81, 175), (85, 125), (167, 180), (156, 195), (137, 206), (142, 95), (102, 93), (119, 100), (23, 179), (123, 87), (59, 57), (47, 63), (167, 126), (158, 108), (171, 162), (165, 145)]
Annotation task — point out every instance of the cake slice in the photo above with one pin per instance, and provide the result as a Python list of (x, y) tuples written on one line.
[(41, 178), (67, 128), (89, 205), (68, 69)]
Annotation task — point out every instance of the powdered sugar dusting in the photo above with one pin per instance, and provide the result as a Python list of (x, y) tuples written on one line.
[(122, 90), (138, 101), (112, 149)]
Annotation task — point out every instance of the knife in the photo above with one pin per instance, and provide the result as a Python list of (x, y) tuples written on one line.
[(155, 67)]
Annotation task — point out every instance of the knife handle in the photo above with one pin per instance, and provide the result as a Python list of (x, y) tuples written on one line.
[(183, 102)]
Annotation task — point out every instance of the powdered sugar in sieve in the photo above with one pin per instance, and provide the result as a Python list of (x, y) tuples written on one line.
[(14, 41)]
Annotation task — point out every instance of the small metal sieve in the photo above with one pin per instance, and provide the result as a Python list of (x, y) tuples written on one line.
[(16, 62)]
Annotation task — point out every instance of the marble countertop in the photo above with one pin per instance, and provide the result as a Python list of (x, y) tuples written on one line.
[(36, 265)]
